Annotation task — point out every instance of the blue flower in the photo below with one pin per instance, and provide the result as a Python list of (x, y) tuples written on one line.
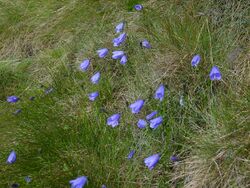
[(136, 106), (215, 73), (151, 115), (124, 60), (138, 7), (102, 52), (159, 94), (85, 65), (141, 123), (131, 154), (113, 120), (117, 54), (174, 158), (145, 44), (12, 99), (119, 40), (154, 123), (78, 182), (28, 179), (95, 78), (104, 186), (196, 60), (119, 28), (93, 96), (151, 161), (48, 91), (12, 157), (17, 111)]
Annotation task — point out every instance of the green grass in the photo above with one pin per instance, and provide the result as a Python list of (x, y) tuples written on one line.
[(61, 136)]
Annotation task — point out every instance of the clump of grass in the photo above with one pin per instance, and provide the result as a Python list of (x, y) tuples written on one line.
[(62, 135)]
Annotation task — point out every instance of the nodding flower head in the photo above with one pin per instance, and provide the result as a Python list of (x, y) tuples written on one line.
[(119, 28), (12, 99), (78, 182), (124, 60), (119, 40), (136, 106), (12, 157), (215, 73), (95, 78), (141, 124), (114, 120), (102, 52), (85, 65), (154, 123), (159, 94), (196, 60), (117, 54), (145, 44), (151, 161), (138, 7), (93, 96)]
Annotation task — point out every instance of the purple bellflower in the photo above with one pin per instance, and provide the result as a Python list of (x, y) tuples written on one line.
[(151, 115), (102, 52), (114, 120), (93, 95), (131, 154), (12, 99), (78, 182), (141, 123), (159, 94), (12, 157), (117, 54), (119, 28), (151, 161), (154, 123), (18, 111), (119, 40), (124, 60), (196, 60), (174, 158), (136, 106), (28, 179), (95, 78), (104, 186), (85, 65), (138, 7), (215, 73), (145, 44)]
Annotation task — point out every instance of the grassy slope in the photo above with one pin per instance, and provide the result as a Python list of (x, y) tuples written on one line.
[(60, 136)]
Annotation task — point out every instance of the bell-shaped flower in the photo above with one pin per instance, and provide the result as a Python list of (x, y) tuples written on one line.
[(174, 158), (151, 115), (114, 120), (12, 157), (141, 123), (103, 52), (131, 154), (79, 182), (124, 60), (117, 54), (145, 44), (151, 161), (93, 96), (95, 78), (136, 106), (85, 65), (196, 60), (159, 94), (215, 73), (12, 99), (119, 40), (154, 123), (138, 7), (28, 179), (104, 186), (119, 28)]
